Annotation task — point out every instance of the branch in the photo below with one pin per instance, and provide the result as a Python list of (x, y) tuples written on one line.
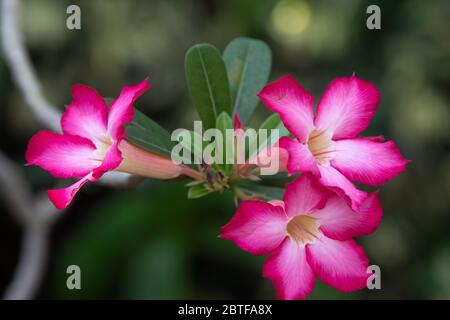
[(35, 215), (17, 191), (21, 68), (31, 267)]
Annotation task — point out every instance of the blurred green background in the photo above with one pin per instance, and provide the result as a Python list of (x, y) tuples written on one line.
[(151, 242)]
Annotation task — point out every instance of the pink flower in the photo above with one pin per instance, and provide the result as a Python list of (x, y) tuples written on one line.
[(327, 144), (93, 143), (308, 233)]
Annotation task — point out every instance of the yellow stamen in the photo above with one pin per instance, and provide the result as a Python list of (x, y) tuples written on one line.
[(321, 146), (303, 229)]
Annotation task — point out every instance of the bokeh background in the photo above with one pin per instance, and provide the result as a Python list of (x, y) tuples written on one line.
[(151, 242)]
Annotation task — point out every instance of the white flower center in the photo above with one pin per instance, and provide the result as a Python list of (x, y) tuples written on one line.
[(102, 145), (303, 229), (321, 146)]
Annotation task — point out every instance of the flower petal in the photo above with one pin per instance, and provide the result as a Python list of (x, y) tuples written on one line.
[(112, 160), (63, 155), (237, 123), (304, 195), (300, 157), (86, 116), (340, 264), (367, 161), (271, 160), (279, 203), (333, 179), (346, 107), (257, 227), (61, 198), (289, 271), (121, 110), (338, 221), (375, 138), (294, 104)]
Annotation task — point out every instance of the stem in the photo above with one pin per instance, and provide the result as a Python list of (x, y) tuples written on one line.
[(196, 175), (21, 68), (31, 266)]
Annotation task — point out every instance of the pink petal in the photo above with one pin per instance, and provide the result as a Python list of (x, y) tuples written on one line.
[(237, 123), (333, 179), (283, 159), (300, 157), (368, 162), (86, 116), (289, 271), (340, 264), (61, 198), (346, 107), (375, 138), (338, 221), (294, 104), (143, 163), (272, 157), (112, 160), (304, 195), (257, 227), (277, 203), (121, 110), (64, 156)]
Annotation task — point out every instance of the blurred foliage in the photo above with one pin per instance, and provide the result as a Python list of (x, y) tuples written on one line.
[(153, 242)]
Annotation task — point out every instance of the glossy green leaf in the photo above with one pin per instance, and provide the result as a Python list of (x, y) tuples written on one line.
[(147, 134), (248, 63), (208, 82), (224, 123), (259, 191)]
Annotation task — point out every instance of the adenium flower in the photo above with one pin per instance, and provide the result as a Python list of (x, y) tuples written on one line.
[(93, 142), (310, 232), (327, 144)]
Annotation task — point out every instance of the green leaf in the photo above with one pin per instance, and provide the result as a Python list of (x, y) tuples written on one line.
[(277, 180), (259, 191), (248, 63), (198, 191), (224, 123), (271, 123), (208, 82), (147, 134)]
